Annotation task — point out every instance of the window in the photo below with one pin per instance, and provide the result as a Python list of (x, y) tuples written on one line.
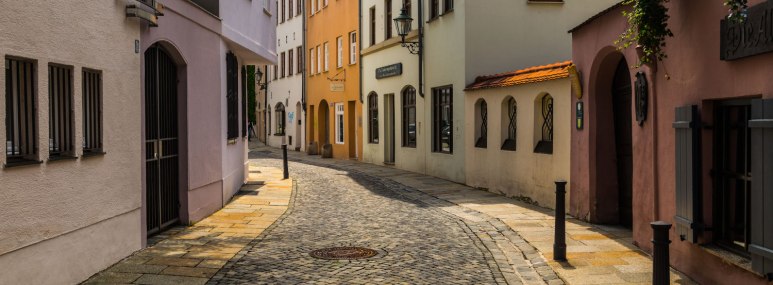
[(276, 70), (283, 65), (509, 121), (319, 58), (20, 111), (325, 3), (283, 15), (545, 144), (268, 115), (313, 7), (340, 52), (481, 123), (290, 9), (290, 62), (434, 9), (448, 6), (299, 7), (60, 112), (280, 120), (372, 30), (92, 111), (373, 118), (387, 19), (442, 116), (409, 116), (232, 78), (352, 47), (312, 61), (244, 101), (299, 52), (339, 121), (319, 3), (267, 6), (327, 57)]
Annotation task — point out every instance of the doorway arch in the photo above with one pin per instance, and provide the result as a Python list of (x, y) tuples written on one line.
[(324, 123), (164, 134)]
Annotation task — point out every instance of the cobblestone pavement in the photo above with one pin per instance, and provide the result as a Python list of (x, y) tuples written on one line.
[(420, 239)]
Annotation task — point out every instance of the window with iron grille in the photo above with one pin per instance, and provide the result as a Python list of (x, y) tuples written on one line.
[(409, 116), (481, 119), (448, 6), (232, 78), (299, 53), (92, 112), (20, 111), (61, 142), (442, 116), (545, 145), (434, 9), (509, 123), (290, 63), (387, 19), (372, 26), (280, 119), (373, 118)]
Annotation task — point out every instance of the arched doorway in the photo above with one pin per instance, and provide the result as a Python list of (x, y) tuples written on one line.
[(323, 123), (621, 101), (162, 140), (298, 126)]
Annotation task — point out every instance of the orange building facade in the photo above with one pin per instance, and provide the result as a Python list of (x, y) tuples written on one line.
[(334, 110)]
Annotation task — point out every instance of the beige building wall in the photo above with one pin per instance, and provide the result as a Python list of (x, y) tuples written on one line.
[(520, 173), (85, 210)]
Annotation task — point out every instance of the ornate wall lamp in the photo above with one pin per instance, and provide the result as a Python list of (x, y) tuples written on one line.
[(403, 24)]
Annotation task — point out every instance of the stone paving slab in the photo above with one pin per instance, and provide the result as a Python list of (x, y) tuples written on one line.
[(192, 255), (597, 254)]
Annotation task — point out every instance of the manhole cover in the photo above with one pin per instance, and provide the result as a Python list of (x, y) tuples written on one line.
[(343, 253)]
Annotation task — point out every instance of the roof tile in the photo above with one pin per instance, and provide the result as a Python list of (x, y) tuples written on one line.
[(524, 76)]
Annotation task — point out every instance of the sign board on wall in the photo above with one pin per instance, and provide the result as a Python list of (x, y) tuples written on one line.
[(751, 37), (336, 87), (389, 70)]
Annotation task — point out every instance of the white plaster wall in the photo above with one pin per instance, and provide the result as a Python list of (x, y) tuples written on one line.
[(289, 90), (43, 206), (247, 24), (522, 172)]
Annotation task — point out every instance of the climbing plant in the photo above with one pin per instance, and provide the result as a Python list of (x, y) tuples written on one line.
[(737, 9)]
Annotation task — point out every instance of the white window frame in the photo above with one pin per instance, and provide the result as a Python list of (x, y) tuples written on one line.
[(340, 54), (327, 57), (312, 61), (353, 48), (319, 59), (313, 6), (325, 5), (339, 123)]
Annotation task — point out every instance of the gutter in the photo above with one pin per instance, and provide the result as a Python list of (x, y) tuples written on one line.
[(359, 50)]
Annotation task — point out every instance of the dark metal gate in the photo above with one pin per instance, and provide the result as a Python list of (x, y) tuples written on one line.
[(161, 144), (621, 99)]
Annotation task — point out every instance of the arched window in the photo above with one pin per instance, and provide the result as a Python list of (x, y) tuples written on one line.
[(409, 116), (372, 117), (481, 124), (280, 119), (509, 123), (545, 144)]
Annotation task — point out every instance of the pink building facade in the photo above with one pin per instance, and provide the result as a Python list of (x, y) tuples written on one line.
[(686, 140)]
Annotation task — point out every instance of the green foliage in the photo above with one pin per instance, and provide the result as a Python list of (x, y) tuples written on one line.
[(251, 100), (647, 28), (737, 9)]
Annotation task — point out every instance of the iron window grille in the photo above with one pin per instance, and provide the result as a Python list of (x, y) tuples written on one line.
[(61, 140), (511, 109), (20, 111), (232, 78), (545, 145), (280, 119), (482, 140), (373, 118), (409, 117), (92, 112), (290, 63), (442, 114)]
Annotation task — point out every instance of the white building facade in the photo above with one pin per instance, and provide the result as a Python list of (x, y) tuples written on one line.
[(462, 40), (285, 108)]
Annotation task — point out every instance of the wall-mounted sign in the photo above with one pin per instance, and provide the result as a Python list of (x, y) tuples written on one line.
[(751, 37), (579, 114), (336, 87), (642, 95), (389, 70)]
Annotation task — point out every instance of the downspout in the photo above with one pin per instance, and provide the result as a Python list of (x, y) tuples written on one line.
[(359, 55), (303, 79), (656, 198), (265, 105), (421, 48)]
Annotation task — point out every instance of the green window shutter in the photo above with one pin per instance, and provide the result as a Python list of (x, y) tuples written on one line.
[(688, 173), (761, 247)]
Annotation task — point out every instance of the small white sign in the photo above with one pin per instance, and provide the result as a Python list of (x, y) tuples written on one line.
[(336, 87)]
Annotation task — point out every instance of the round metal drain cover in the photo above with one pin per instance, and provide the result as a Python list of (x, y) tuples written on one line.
[(343, 253)]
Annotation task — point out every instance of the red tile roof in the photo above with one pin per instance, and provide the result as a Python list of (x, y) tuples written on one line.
[(523, 76)]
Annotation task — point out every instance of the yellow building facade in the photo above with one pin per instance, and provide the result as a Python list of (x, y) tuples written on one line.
[(333, 112)]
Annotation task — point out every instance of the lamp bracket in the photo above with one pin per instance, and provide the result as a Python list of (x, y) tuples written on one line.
[(413, 47)]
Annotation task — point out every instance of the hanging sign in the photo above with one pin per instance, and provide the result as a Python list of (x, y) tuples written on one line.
[(751, 37), (389, 71), (336, 87)]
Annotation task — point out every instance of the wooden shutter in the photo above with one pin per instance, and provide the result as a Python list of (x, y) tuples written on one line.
[(761, 247), (231, 95), (688, 173)]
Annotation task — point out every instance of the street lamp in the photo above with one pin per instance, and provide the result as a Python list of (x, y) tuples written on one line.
[(259, 78), (403, 23)]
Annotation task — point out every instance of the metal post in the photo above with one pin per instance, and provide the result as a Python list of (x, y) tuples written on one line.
[(661, 274), (559, 243), (284, 161)]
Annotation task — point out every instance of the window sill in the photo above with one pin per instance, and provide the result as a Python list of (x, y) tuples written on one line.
[(61, 158), (447, 12), (433, 19), (409, 146), (21, 163), (231, 141), (95, 153), (544, 147), (267, 12), (729, 257), (279, 135)]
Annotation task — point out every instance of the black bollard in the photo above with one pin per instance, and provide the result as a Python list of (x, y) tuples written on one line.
[(661, 273), (559, 243), (284, 161)]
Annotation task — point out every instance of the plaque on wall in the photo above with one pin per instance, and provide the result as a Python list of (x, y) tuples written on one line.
[(389, 70), (751, 37)]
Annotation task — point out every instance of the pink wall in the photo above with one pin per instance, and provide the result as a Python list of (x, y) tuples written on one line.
[(695, 75)]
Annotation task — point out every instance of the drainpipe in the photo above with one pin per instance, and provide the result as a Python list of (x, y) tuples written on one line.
[(421, 48), (265, 103), (653, 108), (359, 55)]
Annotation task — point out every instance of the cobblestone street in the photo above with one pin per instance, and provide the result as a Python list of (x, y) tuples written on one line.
[(418, 241)]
